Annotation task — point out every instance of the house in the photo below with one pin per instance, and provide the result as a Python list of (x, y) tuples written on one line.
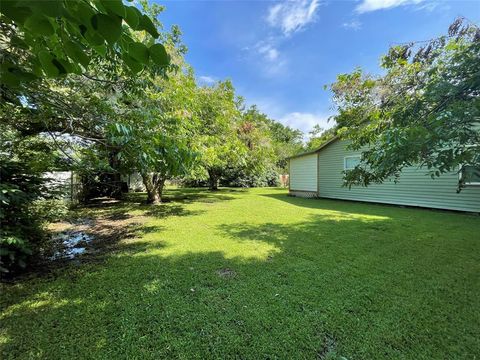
[(319, 173)]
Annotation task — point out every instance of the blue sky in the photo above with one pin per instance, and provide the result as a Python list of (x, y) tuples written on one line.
[(279, 55)]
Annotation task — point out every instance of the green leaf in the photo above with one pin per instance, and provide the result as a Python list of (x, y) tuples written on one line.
[(159, 55), (48, 67), (146, 24), (133, 16), (51, 8), (139, 52), (9, 71), (80, 11), (109, 27), (94, 38), (9, 79), (39, 25), (18, 42), (101, 50), (18, 14), (114, 6), (75, 52), (133, 64), (125, 42), (64, 66)]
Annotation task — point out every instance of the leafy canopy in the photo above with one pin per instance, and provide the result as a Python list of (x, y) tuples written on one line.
[(425, 110), (53, 38), (217, 141)]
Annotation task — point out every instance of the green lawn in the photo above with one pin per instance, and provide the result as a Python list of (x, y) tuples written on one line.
[(257, 275)]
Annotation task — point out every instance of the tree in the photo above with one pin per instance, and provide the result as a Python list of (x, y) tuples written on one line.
[(319, 136), (155, 138), (51, 38), (64, 65), (258, 165), (25, 195), (284, 140), (424, 111), (218, 144)]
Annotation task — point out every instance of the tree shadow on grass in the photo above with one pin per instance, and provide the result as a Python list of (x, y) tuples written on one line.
[(201, 195), (173, 203), (353, 284), (144, 306), (367, 208), (327, 291), (108, 221)]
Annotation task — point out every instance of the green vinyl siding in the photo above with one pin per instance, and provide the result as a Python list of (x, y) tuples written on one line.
[(303, 173), (414, 188)]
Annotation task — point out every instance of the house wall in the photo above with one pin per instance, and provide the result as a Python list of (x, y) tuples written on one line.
[(134, 181), (67, 182), (303, 174), (415, 187)]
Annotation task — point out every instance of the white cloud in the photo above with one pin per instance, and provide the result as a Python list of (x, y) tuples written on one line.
[(352, 25), (373, 5), (305, 121), (432, 5), (272, 63), (289, 17), (207, 80), (268, 51), (292, 16)]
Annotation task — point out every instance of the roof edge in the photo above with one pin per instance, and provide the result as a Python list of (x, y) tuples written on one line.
[(335, 138)]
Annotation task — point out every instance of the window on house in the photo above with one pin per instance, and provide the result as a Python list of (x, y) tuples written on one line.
[(470, 175), (351, 161)]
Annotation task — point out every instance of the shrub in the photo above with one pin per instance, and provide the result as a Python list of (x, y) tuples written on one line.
[(27, 202)]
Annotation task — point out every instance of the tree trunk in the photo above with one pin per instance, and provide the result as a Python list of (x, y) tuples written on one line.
[(213, 181), (115, 179), (154, 185), (161, 184)]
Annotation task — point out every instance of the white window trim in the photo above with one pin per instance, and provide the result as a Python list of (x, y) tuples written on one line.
[(349, 157), (460, 167)]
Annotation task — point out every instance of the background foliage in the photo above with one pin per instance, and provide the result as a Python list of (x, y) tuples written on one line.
[(99, 88), (425, 110)]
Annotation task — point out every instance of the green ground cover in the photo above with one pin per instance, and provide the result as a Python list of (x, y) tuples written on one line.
[(256, 274)]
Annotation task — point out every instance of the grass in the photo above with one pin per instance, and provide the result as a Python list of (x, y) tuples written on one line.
[(258, 275)]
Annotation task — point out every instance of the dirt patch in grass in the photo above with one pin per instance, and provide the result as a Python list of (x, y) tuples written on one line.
[(226, 273), (93, 232), (105, 231), (328, 349)]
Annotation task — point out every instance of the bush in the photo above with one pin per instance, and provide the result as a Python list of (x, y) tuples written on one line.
[(241, 178), (27, 202)]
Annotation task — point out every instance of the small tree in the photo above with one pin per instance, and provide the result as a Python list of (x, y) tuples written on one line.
[(424, 111), (259, 165), (217, 142), (285, 140), (25, 196), (319, 136), (155, 138)]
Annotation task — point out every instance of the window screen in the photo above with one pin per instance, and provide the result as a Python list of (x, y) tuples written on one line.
[(351, 162), (470, 175)]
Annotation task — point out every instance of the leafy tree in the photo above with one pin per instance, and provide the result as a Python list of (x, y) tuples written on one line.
[(259, 167), (284, 140), (424, 111), (65, 68), (88, 106), (50, 38), (155, 139), (217, 141), (319, 136), (26, 195)]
